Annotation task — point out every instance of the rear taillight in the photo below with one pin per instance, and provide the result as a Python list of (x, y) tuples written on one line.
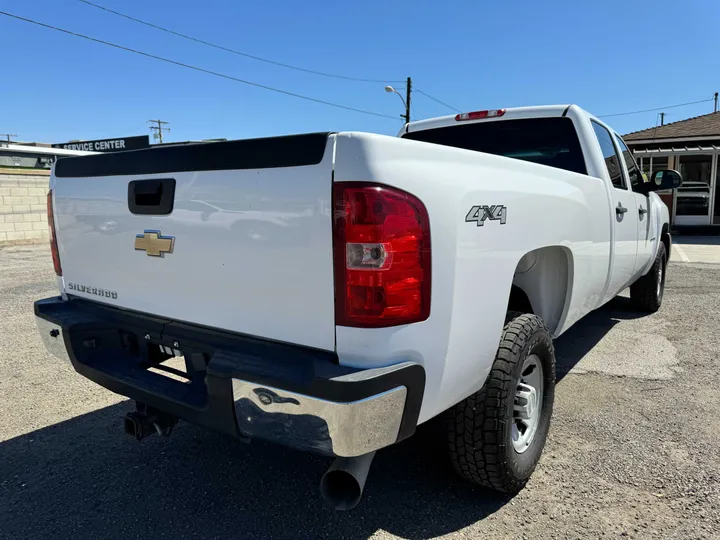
[(479, 115), (382, 256), (53, 237)]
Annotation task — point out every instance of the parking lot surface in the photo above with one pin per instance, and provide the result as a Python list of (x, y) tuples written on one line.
[(633, 449)]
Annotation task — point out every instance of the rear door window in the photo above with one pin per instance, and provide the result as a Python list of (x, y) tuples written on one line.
[(547, 141), (636, 179), (610, 155)]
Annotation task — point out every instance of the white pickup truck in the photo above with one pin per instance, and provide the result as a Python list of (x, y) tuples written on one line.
[(332, 291)]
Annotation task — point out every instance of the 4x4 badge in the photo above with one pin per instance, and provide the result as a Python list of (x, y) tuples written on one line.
[(478, 214)]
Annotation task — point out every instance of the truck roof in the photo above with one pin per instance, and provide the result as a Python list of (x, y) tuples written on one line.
[(540, 111)]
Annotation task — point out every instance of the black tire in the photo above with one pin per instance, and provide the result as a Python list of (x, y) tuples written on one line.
[(647, 292), (480, 427)]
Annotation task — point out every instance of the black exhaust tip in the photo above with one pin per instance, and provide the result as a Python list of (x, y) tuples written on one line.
[(343, 484)]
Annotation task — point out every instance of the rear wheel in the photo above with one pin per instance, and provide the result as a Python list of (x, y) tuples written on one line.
[(496, 436), (647, 292)]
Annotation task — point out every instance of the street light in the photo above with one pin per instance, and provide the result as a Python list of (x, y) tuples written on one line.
[(389, 89)]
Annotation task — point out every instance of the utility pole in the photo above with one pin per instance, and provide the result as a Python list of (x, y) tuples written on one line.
[(408, 92), (716, 99), (8, 135), (662, 118), (158, 129)]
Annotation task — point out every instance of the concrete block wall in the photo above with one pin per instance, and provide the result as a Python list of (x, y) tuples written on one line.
[(23, 206)]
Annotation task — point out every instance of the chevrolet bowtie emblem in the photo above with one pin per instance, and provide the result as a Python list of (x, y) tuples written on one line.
[(154, 244)]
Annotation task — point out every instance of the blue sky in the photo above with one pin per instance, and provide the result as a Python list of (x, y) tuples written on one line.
[(609, 57)]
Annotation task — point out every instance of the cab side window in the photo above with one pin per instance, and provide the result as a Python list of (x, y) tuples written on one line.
[(610, 155), (636, 179)]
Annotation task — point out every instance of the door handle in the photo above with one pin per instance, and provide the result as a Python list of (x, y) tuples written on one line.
[(620, 209), (642, 212)]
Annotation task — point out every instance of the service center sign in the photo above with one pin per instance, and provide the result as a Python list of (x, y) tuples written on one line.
[(108, 145)]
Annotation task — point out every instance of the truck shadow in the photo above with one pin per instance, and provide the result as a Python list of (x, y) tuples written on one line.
[(83, 478), (574, 344)]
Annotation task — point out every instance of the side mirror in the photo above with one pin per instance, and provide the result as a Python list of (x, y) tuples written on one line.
[(661, 180)]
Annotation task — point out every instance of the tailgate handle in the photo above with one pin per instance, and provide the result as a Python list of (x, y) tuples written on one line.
[(151, 197)]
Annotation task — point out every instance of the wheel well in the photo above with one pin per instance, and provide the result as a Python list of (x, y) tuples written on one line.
[(542, 284), (519, 301)]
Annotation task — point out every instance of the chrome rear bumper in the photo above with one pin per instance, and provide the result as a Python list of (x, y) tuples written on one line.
[(350, 429), (52, 337)]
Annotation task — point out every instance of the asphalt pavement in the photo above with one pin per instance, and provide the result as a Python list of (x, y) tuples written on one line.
[(632, 452)]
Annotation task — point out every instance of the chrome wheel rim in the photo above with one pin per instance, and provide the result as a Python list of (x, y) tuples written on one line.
[(527, 407), (659, 281)]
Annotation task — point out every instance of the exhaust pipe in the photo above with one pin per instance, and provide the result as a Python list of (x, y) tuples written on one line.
[(343, 483)]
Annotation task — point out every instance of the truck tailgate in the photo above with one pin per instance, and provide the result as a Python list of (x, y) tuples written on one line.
[(246, 246)]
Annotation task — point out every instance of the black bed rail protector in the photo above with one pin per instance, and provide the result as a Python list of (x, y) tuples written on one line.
[(265, 153)]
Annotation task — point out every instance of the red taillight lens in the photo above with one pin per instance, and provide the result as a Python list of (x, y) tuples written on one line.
[(53, 238), (479, 115), (382, 256)]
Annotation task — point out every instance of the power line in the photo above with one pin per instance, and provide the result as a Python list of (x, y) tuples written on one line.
[(423, 93), (657, 108), (202, 70), (234, 51), (254, 57)]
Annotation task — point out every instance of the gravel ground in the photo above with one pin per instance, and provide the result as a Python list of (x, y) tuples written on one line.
[(633, 447)]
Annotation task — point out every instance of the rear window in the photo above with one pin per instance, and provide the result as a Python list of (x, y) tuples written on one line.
[(547, 141)]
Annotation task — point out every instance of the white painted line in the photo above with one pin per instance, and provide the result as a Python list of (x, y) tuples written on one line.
[(680, 252)]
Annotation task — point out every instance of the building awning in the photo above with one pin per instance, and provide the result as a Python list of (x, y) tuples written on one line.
[(674, 150)]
